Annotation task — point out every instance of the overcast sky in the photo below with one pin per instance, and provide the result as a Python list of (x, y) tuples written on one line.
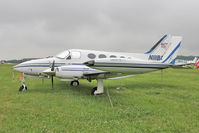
[(39, 28)]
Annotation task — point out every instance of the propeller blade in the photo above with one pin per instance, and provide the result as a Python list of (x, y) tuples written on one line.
[(53, 66), (51, 72), (52, 82)]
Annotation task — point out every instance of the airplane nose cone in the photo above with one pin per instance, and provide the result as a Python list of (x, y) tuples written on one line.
[(15, 67), (19, 67)]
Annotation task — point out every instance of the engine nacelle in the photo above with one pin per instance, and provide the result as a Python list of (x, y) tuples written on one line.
[(70, 71)]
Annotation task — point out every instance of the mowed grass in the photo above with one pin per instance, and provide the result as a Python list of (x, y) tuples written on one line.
[(147, 103)]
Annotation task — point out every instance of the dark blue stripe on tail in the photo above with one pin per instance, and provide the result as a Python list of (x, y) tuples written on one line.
[(173, 61), (172, 52), (151, 50)]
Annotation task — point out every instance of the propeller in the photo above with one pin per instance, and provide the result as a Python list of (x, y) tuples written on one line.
[(53, 66), (52, 81), (52, 69)]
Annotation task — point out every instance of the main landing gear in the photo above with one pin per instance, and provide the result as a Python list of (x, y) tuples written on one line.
[(74, 83), (23, 87), (99, 89)]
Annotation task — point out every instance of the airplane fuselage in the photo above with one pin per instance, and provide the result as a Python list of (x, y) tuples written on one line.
[(74, 59)]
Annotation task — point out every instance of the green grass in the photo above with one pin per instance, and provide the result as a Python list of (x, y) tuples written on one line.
[(147, 103)]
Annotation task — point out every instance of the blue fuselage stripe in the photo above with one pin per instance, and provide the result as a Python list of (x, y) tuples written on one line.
[(104, 64)]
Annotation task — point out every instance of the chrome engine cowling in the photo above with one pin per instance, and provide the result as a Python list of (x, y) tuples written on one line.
[(70, 71)]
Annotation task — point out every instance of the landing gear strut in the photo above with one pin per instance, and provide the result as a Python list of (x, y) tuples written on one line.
[(74, 83), (23, 87), (99, 89)]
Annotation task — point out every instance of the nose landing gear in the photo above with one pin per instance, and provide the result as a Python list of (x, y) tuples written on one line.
[(23, 87)]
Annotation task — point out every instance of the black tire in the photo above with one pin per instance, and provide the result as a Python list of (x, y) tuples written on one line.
[(74, 83), (21, 88), (93, 90)]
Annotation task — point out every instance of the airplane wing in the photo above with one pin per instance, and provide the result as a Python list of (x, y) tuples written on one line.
[(122, 77), (95, 73), (106, 75)]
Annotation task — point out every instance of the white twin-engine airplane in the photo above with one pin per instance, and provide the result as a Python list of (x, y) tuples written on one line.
[(74, 64)]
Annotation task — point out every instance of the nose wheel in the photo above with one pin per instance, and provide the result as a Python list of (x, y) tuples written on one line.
[(23, 88), (74, 83)]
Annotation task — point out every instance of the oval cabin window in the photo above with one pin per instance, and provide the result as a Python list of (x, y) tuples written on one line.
[(113, 56), (91, 56), (102, 56)]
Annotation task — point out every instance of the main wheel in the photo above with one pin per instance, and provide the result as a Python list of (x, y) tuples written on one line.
[(74, 83), (93, 90)]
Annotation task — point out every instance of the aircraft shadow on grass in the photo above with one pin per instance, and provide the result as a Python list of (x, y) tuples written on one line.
[(62, 88), (85, 89)]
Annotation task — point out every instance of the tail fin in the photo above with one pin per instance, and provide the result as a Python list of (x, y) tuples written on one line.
[(165, 50)]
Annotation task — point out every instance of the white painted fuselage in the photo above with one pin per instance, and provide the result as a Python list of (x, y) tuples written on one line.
[(72, 62)]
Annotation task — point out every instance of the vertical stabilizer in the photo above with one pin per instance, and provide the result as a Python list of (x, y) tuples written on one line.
[(166, 50)]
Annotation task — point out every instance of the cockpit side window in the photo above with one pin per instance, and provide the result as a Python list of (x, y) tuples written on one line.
[(75, 55), (68, 58), (63, 55)]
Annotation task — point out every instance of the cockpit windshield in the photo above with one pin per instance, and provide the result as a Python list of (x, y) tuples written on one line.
[(63, 55)]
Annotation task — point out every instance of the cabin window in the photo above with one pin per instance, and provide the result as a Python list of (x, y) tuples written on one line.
[(91, 56), (75, 55), (113, 56), (129, 57), (122, 57), (63, 55), (102, 56), (68, 58)]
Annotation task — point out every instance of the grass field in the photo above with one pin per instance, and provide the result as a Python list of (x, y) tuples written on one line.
[(147, 103)]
